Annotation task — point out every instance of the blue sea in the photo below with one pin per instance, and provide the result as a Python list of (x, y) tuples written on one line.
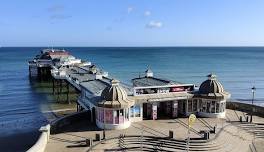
[(237, 68)]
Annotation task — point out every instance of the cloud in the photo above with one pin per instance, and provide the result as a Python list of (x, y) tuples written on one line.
[(59, 17), (147, 13), (56, 8), (154, 24), (130, 9)]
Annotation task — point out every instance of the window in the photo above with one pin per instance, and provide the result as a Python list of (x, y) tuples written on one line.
[(200, 105), (222, 109), (217, 107), (115, 113), (137, 111), (126, 114), (213, 107), (189, 105), (121, 116), (109, 116), (132, 111), (204, 106), (208, 106), (195, 105)]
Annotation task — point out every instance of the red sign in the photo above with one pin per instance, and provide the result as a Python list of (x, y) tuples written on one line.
[(177, 89)]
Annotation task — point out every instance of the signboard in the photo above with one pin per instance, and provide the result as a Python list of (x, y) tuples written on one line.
[(154, 112), (175, 109), (192, 119), (177, 89), (163, 90)]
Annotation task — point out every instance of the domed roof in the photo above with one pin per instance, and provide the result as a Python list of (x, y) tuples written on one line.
[(211, 85), (115, 96)]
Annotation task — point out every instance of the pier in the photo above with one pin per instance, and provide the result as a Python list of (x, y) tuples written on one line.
[(65, 71)]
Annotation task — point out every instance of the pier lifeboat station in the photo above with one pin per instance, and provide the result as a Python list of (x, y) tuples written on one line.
[(115, 105)]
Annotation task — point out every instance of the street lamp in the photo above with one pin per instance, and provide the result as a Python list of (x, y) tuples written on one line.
[(253, 89)]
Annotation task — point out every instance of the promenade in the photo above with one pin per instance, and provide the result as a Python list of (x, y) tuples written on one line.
[(231, 135)]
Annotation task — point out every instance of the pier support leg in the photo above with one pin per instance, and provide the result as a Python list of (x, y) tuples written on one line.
[(29, 71), (53, 89), (60, 86), (58, 91), (68, 93)]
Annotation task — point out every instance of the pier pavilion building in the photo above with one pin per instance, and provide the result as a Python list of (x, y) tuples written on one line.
[(115, 105)]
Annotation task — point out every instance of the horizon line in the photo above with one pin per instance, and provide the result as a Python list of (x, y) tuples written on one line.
[(142, 46)]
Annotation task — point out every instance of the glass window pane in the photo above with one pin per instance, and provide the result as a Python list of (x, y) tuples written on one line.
[(213, 107), (217, 107), (189, 105), (137, 111), (195, 105)]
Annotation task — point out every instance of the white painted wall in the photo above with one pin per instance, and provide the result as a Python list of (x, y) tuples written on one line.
[(40, 145)]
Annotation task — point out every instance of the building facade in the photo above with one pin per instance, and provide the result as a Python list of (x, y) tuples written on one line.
[(115, 105)]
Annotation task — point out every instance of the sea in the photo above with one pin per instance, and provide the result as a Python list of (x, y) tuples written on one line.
[(237, 68)]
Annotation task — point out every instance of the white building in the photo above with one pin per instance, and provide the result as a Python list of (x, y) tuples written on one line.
[(115, 105)]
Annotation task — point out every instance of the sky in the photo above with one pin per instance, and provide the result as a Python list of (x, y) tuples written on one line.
[(132, 23)]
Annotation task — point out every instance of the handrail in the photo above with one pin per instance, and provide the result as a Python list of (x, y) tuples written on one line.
[(152, 142), (186, 126), (156, 131), (205, 123)]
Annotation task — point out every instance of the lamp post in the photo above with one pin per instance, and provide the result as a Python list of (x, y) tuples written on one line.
[(253, 89)]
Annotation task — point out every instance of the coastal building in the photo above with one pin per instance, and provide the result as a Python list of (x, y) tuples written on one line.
[(115, 106), (53, 59)]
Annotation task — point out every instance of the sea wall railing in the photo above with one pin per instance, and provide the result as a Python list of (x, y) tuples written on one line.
[(43, 139)]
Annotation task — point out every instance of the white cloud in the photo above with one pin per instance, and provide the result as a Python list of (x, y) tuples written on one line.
[(130, 9), (147, 13), (154, 24)]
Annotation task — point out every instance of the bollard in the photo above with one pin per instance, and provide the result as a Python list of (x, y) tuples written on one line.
[(240, 118), (97, 137), (208, 135), (214, 129), (89, 142), (205, 136), (170, 134)]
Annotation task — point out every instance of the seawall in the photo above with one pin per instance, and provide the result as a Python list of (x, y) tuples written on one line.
[(58, 125), (40, 145), (257, 110)]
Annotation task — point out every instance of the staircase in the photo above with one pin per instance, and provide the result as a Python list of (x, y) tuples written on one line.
[(256, 128), (230, 139)]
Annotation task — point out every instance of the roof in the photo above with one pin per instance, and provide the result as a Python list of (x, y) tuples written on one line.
[(82, 77), (115, 96), (212, 88), (95, 87), (151, 81)]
